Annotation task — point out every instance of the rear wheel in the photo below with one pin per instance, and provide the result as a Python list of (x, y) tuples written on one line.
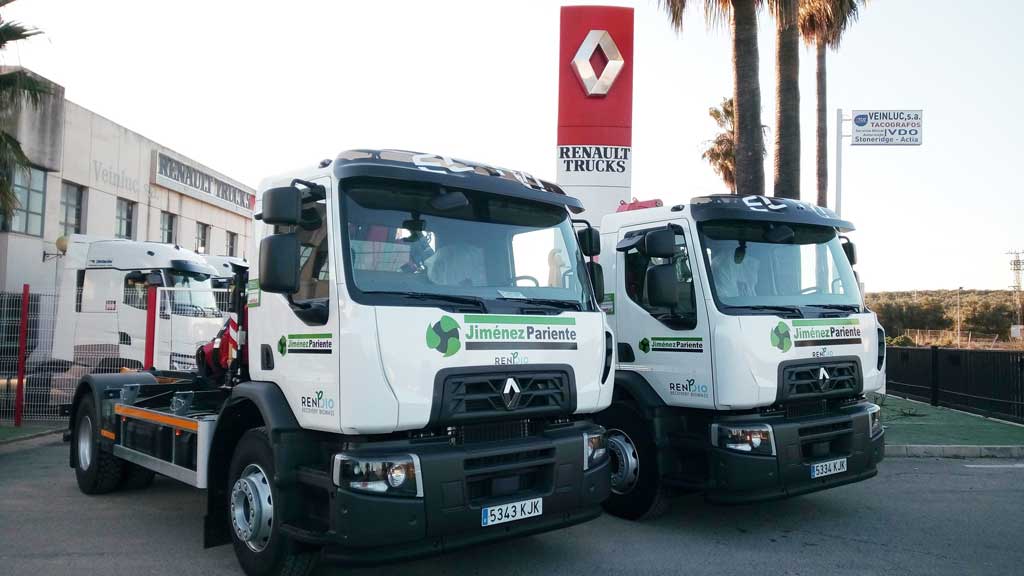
[(261, 548), (636, 487), (97, 471)]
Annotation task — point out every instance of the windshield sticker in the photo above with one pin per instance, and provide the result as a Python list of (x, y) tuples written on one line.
[(608, 306), (818, 333), (443, 336), (305, 344), (253, 294), (660, 344), (498, 332)]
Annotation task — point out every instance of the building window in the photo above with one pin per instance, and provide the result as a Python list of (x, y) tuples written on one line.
[(125, 219), (30, 191), (168, 227), (231, 246), (202, 237), (71, 196)]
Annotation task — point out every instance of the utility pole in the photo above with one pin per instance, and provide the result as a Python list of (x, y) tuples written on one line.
[(1016, 267), (839, 162), (959, 288)]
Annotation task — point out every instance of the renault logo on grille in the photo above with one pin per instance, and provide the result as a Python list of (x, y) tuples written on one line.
[(824, 380), (593, 84), (511, 393)]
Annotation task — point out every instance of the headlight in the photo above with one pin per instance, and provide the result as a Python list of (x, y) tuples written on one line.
[(875, 414), (397, 475), (749, 438), (594, 450)]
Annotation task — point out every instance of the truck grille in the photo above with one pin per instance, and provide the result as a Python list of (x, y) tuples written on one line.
[(482, 396), (840, 378)]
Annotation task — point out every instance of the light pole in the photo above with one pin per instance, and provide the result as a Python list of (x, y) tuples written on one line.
[(959, 288)]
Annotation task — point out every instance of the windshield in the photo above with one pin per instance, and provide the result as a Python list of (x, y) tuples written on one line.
[(470, 249), (194, 296), (802, 267)]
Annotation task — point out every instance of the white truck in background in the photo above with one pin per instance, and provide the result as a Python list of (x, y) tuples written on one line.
[(420, 355), (102, 301), (744, 353)]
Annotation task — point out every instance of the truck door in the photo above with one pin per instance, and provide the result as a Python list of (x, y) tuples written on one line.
[(671, 347), (295, 337)]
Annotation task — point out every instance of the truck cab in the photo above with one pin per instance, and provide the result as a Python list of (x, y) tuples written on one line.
[(420, 355), (744, 353)]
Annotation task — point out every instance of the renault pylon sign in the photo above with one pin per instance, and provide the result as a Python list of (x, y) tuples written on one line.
[(595, 106)]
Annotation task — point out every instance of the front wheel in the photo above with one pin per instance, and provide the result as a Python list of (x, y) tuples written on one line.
[(636, 486), (261, 548)]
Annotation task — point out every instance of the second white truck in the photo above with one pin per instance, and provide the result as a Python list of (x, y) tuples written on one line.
[(744, 353)]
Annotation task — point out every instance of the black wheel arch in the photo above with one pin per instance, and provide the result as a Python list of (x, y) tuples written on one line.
[(632, 387)]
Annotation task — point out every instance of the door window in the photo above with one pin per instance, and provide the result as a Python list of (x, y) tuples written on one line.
[(683, 316)]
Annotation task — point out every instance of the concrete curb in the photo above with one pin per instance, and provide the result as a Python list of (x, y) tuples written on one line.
[(952, 451), (30, 436)]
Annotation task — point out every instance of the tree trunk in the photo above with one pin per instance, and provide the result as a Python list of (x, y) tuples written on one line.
[(787, 108), (747, 100), (821, 137)]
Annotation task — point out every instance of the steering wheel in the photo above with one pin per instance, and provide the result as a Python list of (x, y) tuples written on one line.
[(536, 282)]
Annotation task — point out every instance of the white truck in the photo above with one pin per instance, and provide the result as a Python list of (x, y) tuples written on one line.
[(102, 302), (420, 354), (744, 353)]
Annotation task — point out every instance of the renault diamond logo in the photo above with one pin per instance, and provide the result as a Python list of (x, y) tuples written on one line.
[(593, 84), (511, 393), (824, 380)]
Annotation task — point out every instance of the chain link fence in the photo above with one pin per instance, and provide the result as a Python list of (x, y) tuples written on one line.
[(71, 336)]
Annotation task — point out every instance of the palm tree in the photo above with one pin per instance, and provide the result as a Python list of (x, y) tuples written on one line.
[(17, 86), (822, 23), (721, 151), (787, 99), (749, 141)]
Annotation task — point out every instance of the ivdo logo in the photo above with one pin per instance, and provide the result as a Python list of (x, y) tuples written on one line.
[(443, 336)]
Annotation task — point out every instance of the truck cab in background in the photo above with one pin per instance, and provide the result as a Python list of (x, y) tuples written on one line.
[(744, 353)]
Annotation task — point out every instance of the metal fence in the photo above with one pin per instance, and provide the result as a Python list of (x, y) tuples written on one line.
[(65, 339), (986, 382)]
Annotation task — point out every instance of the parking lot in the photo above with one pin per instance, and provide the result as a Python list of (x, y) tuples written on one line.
[(919, 516)]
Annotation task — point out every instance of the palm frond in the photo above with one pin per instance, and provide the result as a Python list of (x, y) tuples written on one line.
[(5, 3), (12, 31), (20, 84), (825, 21), (12, 157)]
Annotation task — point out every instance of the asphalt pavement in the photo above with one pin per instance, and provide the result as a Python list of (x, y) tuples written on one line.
[(919, 516)]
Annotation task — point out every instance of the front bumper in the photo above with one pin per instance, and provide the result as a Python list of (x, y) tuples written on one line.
[(458, 481), (735, 477)]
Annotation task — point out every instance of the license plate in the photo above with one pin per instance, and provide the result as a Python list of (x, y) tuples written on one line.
[(828, 468), (511, 512)]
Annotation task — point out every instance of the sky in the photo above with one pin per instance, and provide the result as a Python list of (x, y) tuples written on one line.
[(256, 88)]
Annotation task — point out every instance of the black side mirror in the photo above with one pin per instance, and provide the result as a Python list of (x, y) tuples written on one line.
[(850, 249), (596, 280), (660, 243), (279, 264), (135, 277), (590, 241), (282, 206), (661, 286), (155, 279)]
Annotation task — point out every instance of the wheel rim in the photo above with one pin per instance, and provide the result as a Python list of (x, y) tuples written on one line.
[(252, 508), (625, 462), (85, 442)]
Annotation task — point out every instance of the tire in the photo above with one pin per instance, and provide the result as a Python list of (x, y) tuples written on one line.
[(97, 471), (259, 552), (637, 493), (135, 477)]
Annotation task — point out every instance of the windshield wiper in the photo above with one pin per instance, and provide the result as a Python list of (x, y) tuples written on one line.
[(562, 304), (843, 307), (450, 298), (759, 307)]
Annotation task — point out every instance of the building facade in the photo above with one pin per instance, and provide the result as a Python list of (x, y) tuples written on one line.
[(92, 176)]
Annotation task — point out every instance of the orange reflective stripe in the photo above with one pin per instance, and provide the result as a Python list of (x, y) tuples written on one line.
[(107, 434), (166, 419)]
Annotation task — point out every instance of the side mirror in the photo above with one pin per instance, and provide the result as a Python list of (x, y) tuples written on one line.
[(661, 286), (155, 279), (660, 243), (851, 251), (596, 280), (135, 277), (590, 241), (279, 264), (282, 206)]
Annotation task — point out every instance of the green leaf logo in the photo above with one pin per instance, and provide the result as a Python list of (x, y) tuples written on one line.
[(443, 336), (645, 345), (780, 337), (282, 346)]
